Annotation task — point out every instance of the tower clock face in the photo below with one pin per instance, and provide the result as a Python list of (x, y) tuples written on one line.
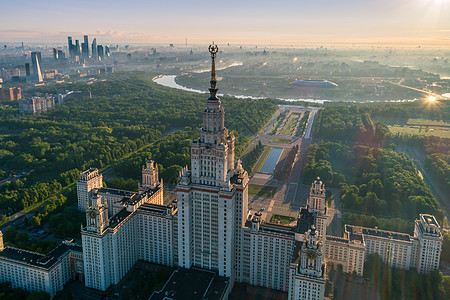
[(92, 214), (311, 254)]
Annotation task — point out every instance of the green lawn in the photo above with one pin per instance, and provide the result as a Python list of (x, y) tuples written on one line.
[(262, 191), (281, 141), (289, 127), (279, 219), (439, 131)]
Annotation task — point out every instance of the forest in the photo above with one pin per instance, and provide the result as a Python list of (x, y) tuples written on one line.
[(127, 113), (379, 182)]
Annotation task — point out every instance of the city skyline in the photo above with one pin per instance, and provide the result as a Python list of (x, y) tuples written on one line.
[(399, 22)]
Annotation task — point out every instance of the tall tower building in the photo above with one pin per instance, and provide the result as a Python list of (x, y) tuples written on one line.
[(100, 53), (89, 180), (307, 272), (55, 54), (36, 63), (212, 196), (71, 46), (85, 47), (316, 204), (27, 69), (427, 233), (150, 176), (94, 49), (77, 48)]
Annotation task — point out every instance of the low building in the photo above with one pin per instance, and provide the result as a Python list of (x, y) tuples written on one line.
[(36, 105), (38, 272), (10, 94)]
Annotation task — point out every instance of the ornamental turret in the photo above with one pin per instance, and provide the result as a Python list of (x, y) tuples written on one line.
[(97, 214)]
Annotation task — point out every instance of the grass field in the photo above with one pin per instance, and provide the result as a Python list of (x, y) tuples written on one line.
[(281, 141), (422, 127), (279, 219), (262, 191), (289, 127)]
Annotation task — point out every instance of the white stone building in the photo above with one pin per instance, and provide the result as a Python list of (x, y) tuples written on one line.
[(307, 270), (37, 272), (139, 228), (212, 197), (429, 243), (89, 180)]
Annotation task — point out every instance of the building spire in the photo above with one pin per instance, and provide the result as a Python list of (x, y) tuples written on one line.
[(213, 49)]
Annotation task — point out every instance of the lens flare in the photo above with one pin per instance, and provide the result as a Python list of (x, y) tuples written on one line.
[(431, 99)]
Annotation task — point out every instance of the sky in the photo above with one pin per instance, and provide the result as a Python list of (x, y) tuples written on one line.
[(283, 23)]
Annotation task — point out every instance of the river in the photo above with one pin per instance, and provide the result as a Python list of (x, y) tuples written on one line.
[(169, 81)]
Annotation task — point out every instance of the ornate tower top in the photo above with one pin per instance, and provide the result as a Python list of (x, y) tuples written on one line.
[(213, 49)]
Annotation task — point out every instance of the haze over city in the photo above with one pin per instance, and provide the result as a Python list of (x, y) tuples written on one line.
[(272, 23)]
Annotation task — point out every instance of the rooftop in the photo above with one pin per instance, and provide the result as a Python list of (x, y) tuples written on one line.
[(155, 208), (305, 220), (429, 219), (135, 197), (354, 231), (119, 217), (115, 192), (194, 284), (36, 259)]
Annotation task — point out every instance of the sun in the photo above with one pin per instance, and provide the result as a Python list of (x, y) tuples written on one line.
[(431, 99)]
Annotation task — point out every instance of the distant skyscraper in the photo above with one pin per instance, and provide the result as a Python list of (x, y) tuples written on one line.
[(77, 48), (94, 49), (27, 69), (71, 46), (55, 54), (107, 52), (36, 63), (85, 47), (100, 52), (61, 54)]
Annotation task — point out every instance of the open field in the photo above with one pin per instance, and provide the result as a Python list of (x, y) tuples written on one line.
[(422, 127)]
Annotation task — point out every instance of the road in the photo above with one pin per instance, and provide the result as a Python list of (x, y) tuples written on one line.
[(440, 196), (422, 91), (292, 195)]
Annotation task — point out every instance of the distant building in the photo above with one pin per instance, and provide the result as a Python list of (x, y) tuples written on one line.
[(85, 47), (71, 46), (10, 94), (27, 69), (55, 54), (100, 52), (107, 51), (36, 63), (77, 50), (94, 49), (62, 96), (61, 54), (36, 105)]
